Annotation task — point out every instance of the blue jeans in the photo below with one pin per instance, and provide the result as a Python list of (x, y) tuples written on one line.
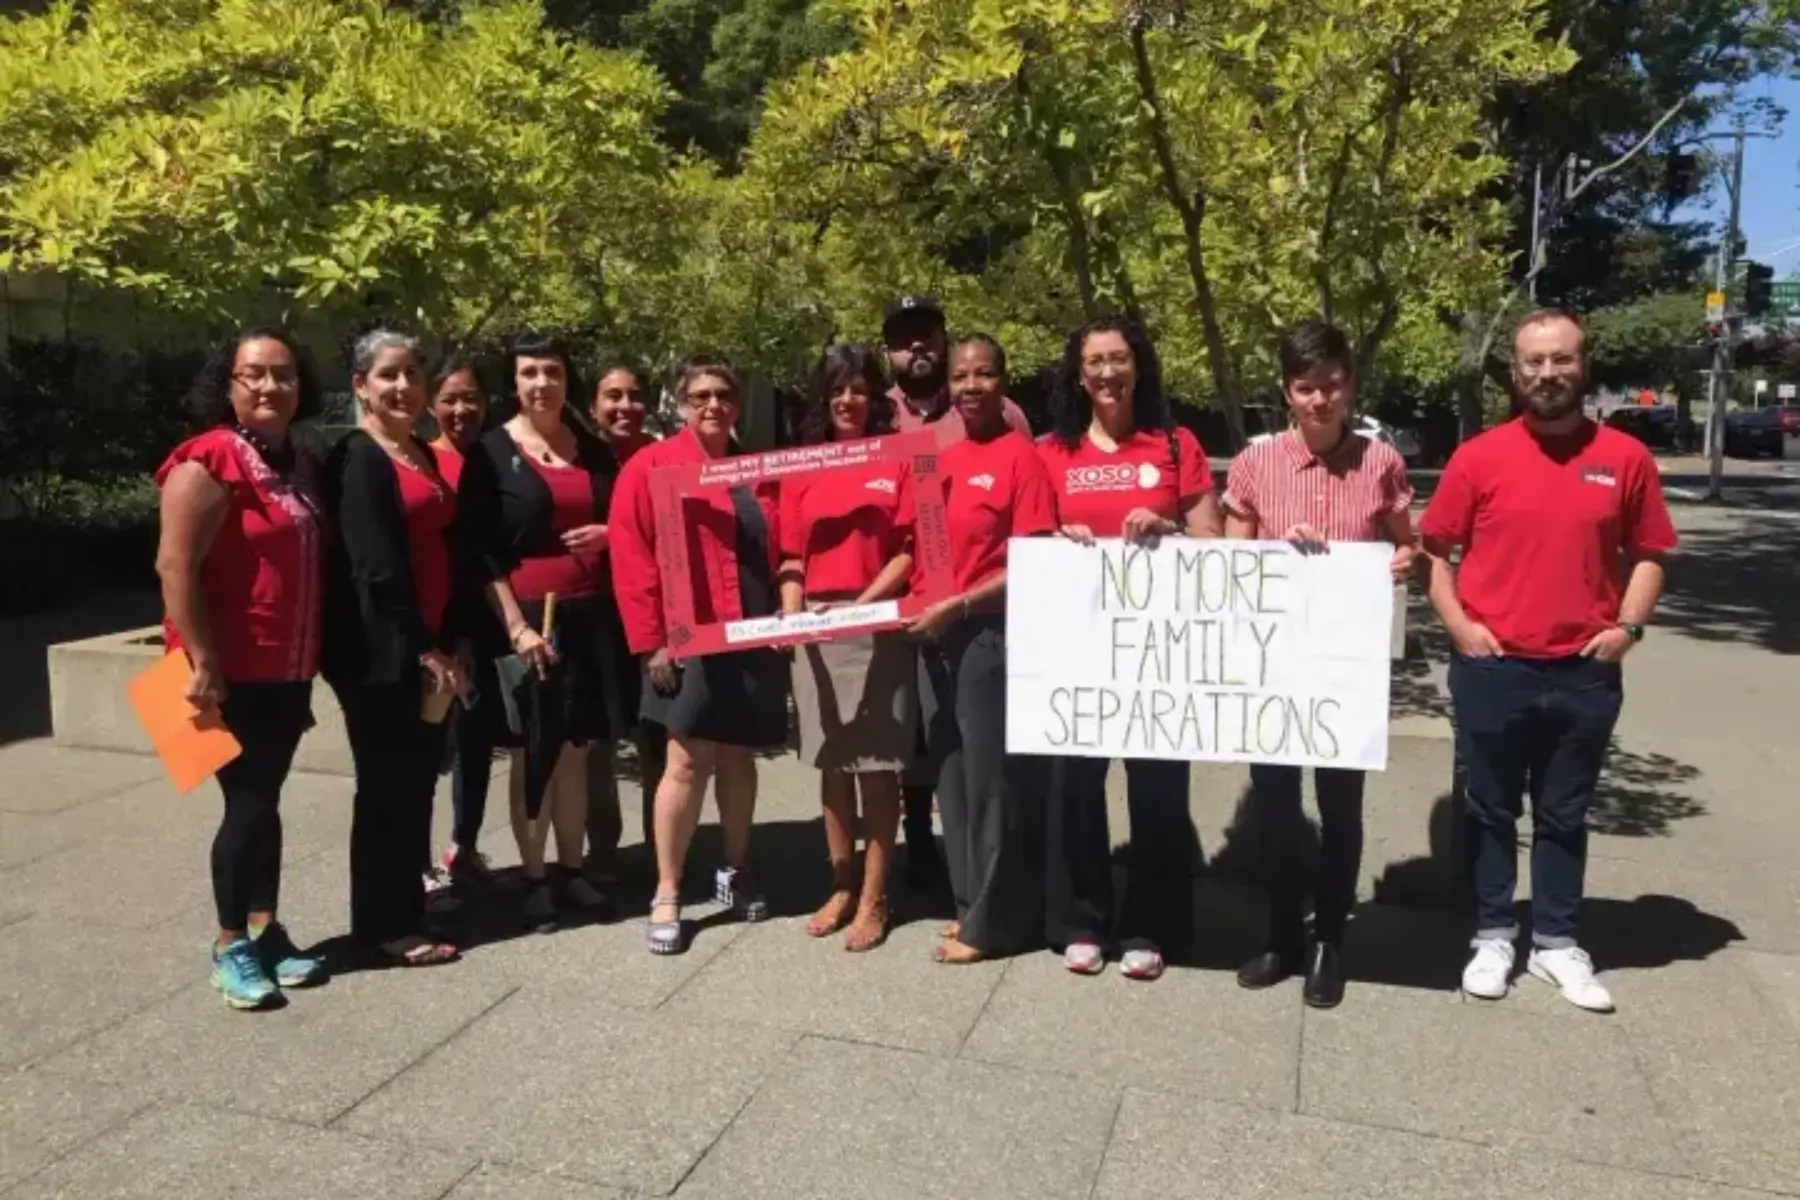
[(1540, 726)]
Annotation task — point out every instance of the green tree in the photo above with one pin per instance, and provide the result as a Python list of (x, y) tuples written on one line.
[(339, 156), (1221, 172)]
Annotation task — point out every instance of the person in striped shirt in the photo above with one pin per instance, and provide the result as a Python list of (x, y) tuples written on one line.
[(1317, 483)]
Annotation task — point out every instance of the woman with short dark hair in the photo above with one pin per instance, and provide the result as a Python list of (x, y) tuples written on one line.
[(241, 558), (1121, 467), (535, 494), (846, 539), (721, 708), (387, 649)]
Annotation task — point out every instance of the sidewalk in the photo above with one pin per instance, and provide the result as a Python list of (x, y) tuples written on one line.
[(763, 1063)]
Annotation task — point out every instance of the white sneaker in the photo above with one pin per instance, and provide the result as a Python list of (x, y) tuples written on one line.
[(1571, 971), (1489, 973)]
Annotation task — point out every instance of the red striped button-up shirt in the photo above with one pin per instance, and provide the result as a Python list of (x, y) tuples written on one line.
[(1347, 495)]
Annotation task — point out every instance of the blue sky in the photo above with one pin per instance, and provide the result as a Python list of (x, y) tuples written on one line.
[(1771, 213)]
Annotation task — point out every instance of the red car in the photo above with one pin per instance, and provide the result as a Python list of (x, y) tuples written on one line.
[(1790, 418)]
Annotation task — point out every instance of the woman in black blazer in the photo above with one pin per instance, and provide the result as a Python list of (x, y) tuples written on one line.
[(535, 494), (388, 589)]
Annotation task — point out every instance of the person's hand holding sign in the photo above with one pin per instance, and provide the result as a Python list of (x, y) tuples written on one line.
[(1305, 539), (1081, 535), (1142, 525), (1405, 555), (931, 624), (585, 539)]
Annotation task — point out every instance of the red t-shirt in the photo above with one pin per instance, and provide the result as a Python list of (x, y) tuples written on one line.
[(263, 576), (1544, 526), (993, 490), (1099, 488), (430, 511), (449, 462), (845, 525), (570, 575)]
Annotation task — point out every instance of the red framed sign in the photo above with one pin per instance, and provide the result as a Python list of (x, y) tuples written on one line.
[(689, 638)]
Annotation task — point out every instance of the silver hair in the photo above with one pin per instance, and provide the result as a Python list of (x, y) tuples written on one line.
[(372, 343)]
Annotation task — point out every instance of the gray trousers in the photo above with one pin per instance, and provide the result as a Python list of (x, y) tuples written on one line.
[(991, 802)]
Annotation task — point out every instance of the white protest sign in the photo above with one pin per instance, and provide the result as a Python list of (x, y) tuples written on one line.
[(1200, 648)]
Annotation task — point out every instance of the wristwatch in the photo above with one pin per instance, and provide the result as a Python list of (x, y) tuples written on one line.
[(1633, 631)]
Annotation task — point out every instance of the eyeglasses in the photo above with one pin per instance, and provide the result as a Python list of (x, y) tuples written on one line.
[(702, 399), (261, 378), (1099, 362)]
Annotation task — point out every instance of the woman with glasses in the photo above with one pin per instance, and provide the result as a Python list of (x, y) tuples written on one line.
[(242, 560), (1121, 468), (721, 708)]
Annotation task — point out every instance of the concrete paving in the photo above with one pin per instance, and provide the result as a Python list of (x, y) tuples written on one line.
[(766, 1064)]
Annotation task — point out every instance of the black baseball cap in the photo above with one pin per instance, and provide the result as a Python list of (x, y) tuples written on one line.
[(909, 305)]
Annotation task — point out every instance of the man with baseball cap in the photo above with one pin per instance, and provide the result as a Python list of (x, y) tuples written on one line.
[(916, 338)]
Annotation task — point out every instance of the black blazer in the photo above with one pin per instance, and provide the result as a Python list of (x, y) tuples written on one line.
[(374, 630), (506, 511)]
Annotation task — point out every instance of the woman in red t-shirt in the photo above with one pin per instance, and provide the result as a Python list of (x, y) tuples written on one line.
[(241, 559), (719, 708), (995, 488), (1121, 468), (535, 493), (846, 539), (459, 407), (387, 645)]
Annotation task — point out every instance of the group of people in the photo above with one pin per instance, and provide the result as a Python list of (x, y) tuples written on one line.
[(457, 572)]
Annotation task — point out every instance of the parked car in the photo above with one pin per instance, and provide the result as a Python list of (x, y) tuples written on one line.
[(1658, 426), (1789, 415), (1754, 434), (1262, 423)]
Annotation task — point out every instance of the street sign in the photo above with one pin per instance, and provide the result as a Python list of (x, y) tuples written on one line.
[(1784, 298), (1715, 306), (1785, 391)]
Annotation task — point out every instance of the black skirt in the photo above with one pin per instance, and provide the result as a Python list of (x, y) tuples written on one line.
[(597, 680), (736, 699)]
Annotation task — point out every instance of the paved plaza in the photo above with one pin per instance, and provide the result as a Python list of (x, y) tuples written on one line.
[(765, 1064)]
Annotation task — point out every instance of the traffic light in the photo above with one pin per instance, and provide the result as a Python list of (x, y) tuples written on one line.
[(1759, 286), (1681, 178)]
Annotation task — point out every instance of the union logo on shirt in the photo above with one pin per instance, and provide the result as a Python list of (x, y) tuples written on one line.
[(882, 485), (1111, 477), (1601, 475), (984, 482)]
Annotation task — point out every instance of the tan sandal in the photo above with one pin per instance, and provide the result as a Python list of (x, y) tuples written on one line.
[(833, 915), (953, 953), (869, 930)]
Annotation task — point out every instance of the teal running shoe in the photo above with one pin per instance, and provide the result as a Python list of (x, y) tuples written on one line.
[(239, 976), (282, 960)]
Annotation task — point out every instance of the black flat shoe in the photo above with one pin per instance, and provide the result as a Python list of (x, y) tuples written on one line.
[(1324, 977), (1266, 970)]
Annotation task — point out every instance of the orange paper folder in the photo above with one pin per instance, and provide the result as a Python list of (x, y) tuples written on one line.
[(193, 743)]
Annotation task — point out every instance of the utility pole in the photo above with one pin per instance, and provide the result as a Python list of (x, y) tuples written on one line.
[(1725, 345)]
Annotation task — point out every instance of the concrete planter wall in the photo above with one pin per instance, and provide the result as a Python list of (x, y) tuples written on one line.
[(89, 709)]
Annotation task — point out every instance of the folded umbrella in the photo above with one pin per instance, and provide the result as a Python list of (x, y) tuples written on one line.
[(536, 713)]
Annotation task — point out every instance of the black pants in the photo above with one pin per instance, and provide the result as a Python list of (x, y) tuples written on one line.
[(471, 773), (267, 719), (1282, 826), (1158, 907), (606, 816), (396, 755), (1541, 726), (991, 802)]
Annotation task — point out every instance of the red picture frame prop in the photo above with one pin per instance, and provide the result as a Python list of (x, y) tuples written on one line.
[(689, 638)]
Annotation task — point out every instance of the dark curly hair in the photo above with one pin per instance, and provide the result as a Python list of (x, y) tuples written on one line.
[(843, 363), (977, 338), (452, 363), (1072, 409), (209, 399)]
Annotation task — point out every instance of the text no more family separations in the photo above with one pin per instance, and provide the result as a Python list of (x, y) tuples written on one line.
[(1201, 649)]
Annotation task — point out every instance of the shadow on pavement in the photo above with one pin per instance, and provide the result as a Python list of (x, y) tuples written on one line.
[(1737, 584), (25, 643), (1640, 795)]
